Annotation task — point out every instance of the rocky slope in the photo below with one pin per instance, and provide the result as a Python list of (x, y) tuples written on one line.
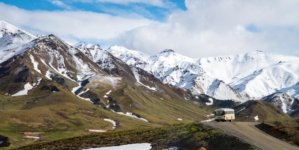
[(284, 102), (254, 110)]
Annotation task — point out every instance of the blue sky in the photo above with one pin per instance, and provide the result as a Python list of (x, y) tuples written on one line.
[(196, 28), (129, 9)]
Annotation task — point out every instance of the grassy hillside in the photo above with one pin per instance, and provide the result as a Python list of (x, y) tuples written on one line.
[(250, 109), (161, 106), (284, 129), (55, 115), (183, 136), (59, 115)]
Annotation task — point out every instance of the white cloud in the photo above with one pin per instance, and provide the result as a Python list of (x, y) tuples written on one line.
[(218, 27), (60, 4), (70, 25), (206, 28)]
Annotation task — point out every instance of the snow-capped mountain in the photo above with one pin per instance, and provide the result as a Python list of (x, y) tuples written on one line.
[(49, 57), (77, 68), (26, 60), (252, 75), (178, 70), (116, 67)]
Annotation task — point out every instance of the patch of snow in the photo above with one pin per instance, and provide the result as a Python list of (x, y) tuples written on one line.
[(32, 137), (180, 119), (256, 118), (87, 99), (111, 121), (108, 92), (76, 88), (38, 82), (105, 96), (129, 114), (27, 87), (35, 64), (138, 146), (94, 130), (241, 109), (284, 106), (208, 120), (210, 103)]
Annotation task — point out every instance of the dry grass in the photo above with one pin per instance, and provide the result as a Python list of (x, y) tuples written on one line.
[(284, 129)]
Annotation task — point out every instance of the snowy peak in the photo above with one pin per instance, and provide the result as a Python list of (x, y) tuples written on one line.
[(170, 56), (8, 29), (63, 59), (126, 54), (84, 45), (12, 37), (93, 52)]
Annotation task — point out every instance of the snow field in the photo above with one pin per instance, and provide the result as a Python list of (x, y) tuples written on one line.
[(139, 146), (27, 87), (129, 114)]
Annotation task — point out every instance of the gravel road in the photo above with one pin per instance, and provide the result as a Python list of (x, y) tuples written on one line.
[(249, 133)]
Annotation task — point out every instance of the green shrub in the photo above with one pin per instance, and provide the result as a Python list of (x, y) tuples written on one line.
[(213, 133)]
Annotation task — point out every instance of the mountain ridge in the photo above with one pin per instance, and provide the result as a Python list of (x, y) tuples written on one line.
[(237, 71)]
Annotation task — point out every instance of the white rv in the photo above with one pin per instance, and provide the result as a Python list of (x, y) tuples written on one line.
[(224, 114)]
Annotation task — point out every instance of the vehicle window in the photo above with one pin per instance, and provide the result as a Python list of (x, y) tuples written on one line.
[(219, 113)]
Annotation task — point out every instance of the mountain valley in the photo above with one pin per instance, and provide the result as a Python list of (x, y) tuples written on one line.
[(52, 90)]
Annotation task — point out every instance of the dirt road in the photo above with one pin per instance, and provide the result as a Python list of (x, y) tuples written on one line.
[(249, 133)]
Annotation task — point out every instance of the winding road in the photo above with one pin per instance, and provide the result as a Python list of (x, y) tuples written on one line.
[(249, 133)]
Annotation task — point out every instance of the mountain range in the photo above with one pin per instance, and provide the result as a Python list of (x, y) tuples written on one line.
[(253, 75), (242, 77)]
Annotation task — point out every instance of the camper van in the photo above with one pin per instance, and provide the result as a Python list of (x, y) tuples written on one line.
[(224, 114)]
